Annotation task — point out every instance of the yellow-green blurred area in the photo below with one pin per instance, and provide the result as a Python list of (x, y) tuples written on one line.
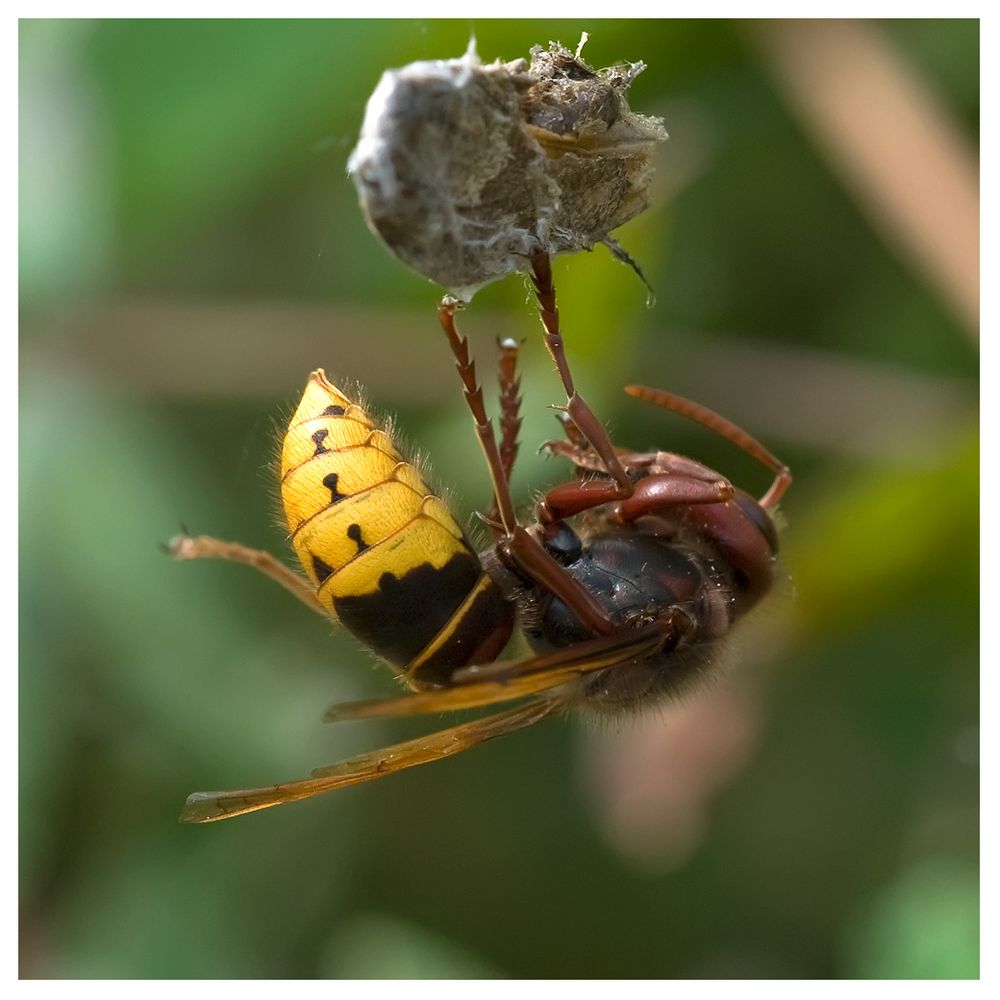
[(191, 248)]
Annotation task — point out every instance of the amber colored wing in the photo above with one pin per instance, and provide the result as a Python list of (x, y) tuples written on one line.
[(207, 807), (475, 687)]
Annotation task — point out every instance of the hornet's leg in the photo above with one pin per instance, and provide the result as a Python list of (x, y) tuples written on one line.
[(474, 400), (651, 493), (725, 428), (204, 547), (572, 432), (510, 419), (580, 413), (520, 549)]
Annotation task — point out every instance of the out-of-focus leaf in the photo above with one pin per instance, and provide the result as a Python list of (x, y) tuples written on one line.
[(65, 182), (205, 116), (925, 925), (145, 914), (374, 946), (876, 541)]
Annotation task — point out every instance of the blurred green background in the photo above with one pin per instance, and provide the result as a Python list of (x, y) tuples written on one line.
[(190, 248)]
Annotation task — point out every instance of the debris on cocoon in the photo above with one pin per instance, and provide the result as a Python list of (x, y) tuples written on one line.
[(466, 171)]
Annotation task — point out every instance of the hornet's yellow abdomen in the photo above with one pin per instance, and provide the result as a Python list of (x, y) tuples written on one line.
[(385, 555)]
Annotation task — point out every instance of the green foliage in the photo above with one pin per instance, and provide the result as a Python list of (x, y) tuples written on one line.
[(923, 926)]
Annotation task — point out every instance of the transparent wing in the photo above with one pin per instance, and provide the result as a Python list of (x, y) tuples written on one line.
[(207, 807), (477, 686)]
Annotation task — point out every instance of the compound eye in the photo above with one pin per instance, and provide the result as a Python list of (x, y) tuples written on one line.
[(760, 517), (562, 541)]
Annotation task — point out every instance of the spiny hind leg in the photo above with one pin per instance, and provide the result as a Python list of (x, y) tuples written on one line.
[(466, 368), (520, 549), (510, 402), (510, 418), (184, 547)]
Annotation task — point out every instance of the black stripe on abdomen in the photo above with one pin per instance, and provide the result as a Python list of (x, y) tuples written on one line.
[(477, 636), (405, 613)]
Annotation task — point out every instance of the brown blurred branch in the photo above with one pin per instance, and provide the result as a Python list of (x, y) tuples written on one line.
[(818, 399), (260, 349), (263, 350), (892, 141)]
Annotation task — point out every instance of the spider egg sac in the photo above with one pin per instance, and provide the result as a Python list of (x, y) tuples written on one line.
[(465, 170)]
